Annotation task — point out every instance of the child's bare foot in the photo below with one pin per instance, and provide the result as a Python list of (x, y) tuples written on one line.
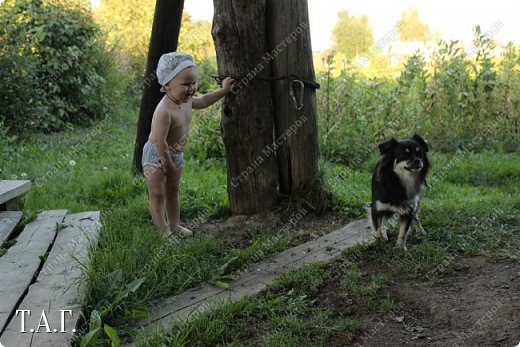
[(166, 233), (184, 232)]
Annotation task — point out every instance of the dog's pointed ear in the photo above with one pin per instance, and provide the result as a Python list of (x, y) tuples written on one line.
[(387, 146), (421, 142)]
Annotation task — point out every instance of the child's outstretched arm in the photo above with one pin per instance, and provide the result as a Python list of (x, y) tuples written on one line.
[(209, 99)]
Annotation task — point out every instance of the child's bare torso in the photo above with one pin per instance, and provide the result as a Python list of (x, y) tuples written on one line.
[(178, 132)]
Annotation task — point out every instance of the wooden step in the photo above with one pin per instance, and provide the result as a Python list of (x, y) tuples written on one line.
[(21, 262), (8, 222), (56, 287), (10, 190), (256, 279)]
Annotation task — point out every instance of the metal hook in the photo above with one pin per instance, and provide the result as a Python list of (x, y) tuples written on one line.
[(292, 94), (218, 79)]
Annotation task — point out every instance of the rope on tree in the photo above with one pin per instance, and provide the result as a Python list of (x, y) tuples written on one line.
[(311, 84)]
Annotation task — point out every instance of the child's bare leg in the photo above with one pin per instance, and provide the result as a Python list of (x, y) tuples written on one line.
[(172, 202), (156, 182)]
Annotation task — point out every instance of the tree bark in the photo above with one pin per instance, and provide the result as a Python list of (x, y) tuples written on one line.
[(239, 32), (164, 39), (288, 37)]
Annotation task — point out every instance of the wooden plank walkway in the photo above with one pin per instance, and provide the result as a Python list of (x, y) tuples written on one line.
[(10, 190), (8, 222), (22, 260), (55, 287), (184, 305)]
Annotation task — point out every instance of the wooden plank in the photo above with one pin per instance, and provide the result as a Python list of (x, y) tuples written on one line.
[(55, 288), (10, 189), (327, 247), (8, 222), (20, 263)]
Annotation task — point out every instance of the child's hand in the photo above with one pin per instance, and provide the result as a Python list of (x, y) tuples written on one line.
[(227, 84)]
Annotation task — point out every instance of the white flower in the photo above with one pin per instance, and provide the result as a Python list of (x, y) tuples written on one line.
[(23, 174), (13, 176), (105, 168), (72, 162)]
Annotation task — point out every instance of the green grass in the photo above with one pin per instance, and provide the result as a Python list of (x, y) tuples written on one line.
[(96, 176), (470, 208), (285, 316), (363, 286)]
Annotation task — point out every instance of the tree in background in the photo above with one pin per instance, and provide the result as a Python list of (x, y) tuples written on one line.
[(411, 28), (195, 38), (164, 39), (128, 25), (352, 35)]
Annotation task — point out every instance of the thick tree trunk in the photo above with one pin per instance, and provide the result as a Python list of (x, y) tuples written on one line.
[(289, 41), (164, 39), (239, 29)]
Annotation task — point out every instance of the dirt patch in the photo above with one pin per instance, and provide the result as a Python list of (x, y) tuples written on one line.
[(242, 230), (478, 305)]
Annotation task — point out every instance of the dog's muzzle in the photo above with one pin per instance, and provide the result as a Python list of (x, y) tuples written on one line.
[(415, 165)]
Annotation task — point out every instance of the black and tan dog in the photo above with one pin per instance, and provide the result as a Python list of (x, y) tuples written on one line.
[(397, 180)]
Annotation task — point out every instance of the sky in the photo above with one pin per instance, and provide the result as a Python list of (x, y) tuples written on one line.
[(452, 19)]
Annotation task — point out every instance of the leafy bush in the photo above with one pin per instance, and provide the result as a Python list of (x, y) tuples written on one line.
[(18, 84), (456, 101), (6, 143), (205, 141), (206, 68), (57, 49)]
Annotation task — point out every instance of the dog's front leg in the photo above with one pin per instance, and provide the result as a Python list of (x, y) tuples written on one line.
[(404, 225), (416, 221), (419, 230), (382, 228)]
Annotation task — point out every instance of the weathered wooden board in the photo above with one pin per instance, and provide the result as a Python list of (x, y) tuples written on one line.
[(10, 189), (8, 222), (22, 260), (55, 288), (258, 276)]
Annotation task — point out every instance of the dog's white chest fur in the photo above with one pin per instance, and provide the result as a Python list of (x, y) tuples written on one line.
[(410, 205), (409, 179)]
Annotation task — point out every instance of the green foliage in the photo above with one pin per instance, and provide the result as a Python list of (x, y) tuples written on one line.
[(6, 142), (195, 38), (206, 68), (411, 28), (128, 27), (92, 338), (205, 141), (455, 101), (18, 83), (352, 35), (54, 46)]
